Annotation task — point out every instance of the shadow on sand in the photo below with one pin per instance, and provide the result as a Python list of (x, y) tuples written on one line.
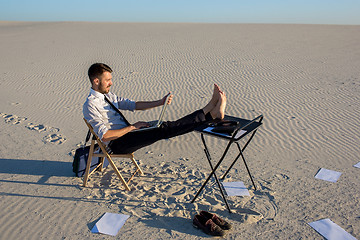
[(43, 168)]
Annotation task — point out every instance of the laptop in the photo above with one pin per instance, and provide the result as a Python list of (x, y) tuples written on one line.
[(155, 123)]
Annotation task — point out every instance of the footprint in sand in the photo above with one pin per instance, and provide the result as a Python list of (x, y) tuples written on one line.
[(41, 128), (249, 216), (181, 192), (50, 138), (54, 138), (262, 202), (12, 119), (281, 177)]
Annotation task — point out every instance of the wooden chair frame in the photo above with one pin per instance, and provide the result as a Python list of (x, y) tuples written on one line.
[(105, 153)]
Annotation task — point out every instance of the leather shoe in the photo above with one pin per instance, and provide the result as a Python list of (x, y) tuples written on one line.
[(207, 225), (217, 220)]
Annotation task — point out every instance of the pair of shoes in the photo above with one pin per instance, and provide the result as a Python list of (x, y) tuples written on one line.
[(217, 220), (207, 225), (211, 223)]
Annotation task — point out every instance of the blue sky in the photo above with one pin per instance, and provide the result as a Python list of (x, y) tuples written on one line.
[(220, 11)]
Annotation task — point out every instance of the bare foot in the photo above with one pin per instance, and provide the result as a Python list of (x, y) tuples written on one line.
[(219, 110), (216, 95), (222, 105), (214, 99)]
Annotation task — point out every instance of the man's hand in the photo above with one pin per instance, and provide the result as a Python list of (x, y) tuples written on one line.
[(169, 100), (139, 125)]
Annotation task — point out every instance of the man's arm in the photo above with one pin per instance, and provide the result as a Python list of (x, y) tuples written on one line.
[(116, 133), (151, 104), (147, 105)]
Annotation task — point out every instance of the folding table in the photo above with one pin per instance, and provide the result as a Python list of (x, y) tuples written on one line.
[(244, 128)]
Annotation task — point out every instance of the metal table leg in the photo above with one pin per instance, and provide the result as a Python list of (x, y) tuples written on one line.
[(241, 151), (213, 172)]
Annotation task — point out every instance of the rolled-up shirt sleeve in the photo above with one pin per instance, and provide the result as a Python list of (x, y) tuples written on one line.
[(95, 119), (126, 104)]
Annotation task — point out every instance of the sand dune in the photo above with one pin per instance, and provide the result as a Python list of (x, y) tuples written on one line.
[(304, 79)]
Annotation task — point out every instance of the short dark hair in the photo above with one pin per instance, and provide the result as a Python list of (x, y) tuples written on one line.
[(97, 69)]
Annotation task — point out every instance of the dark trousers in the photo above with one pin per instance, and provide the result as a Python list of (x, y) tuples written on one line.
[(133, 141)]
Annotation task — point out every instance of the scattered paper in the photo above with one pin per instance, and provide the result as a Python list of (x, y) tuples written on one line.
[(238, 134), (328, 175), (235, 189), (330, 230), (357, 165), (110, 224)]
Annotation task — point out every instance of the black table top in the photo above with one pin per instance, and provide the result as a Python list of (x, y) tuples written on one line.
[(243, 124)]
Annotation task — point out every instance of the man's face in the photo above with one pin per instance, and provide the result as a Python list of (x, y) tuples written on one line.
[(105, 82)]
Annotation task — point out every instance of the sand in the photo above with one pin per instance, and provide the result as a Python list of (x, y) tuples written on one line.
[(304, 79)]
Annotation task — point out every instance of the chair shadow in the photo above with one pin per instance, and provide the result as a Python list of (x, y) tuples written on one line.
[(43, 168)]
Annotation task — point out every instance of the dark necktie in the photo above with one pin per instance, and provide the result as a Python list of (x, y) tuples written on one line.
[(117, 110)]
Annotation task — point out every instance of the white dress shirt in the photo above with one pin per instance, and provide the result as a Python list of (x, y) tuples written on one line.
[(101, 116)]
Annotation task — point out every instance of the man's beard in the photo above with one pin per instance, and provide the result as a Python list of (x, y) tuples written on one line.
[(104, 89)]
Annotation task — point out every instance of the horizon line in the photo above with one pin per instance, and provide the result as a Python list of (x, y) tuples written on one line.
[(171, 22)]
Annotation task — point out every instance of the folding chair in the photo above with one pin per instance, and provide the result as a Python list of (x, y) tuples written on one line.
[(105, 152)]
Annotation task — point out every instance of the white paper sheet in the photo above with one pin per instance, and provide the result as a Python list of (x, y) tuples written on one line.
[(331, 230), (235, 189), (238, 134), (110, 224), (357, 165), (328, 175)]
